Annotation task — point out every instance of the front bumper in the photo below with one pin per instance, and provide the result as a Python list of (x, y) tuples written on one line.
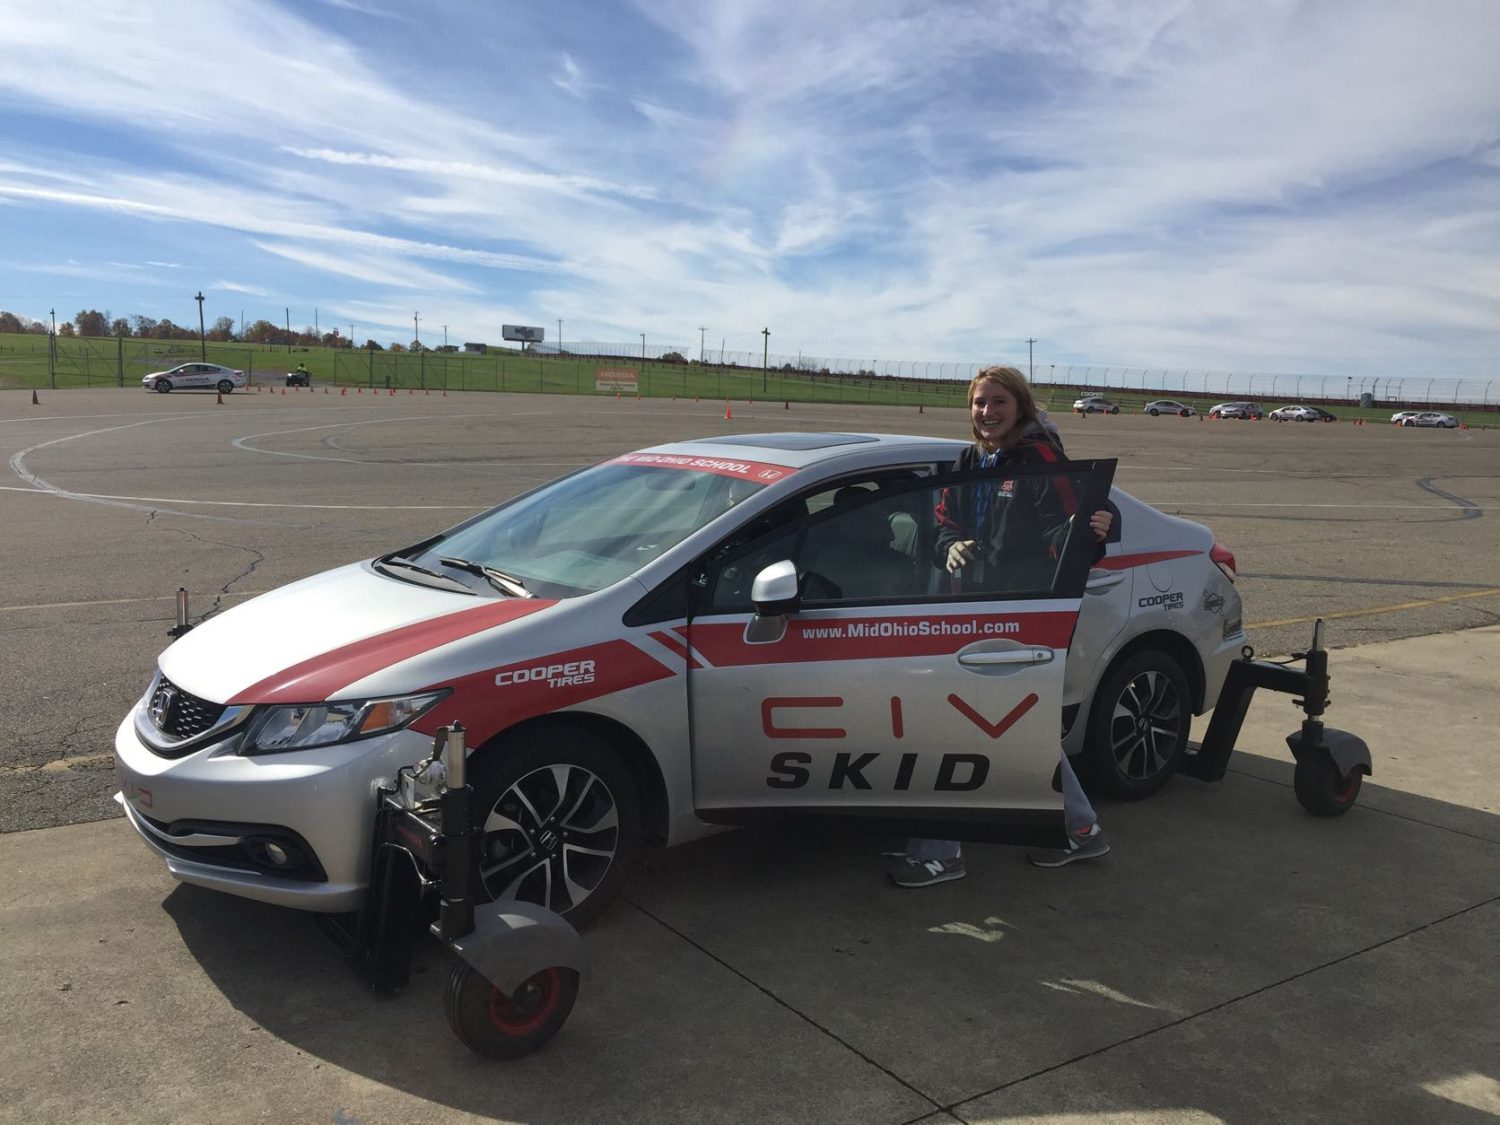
[(206, 813)]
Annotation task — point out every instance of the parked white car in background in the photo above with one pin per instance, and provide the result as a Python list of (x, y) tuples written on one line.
[(1426, 418), (195, 376), (1168, 406)]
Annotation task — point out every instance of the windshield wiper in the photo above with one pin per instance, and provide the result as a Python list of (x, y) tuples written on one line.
[(393, 562), (506, 583)]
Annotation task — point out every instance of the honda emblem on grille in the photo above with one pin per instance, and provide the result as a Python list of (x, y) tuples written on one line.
[(161, 705)]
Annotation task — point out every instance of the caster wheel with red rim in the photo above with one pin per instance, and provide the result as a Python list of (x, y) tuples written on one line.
[(500, 1026)]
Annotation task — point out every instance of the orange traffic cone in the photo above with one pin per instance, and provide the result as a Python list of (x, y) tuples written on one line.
[(34, 400), (919, 408), (786, 406), (221, 398), (343, 390), (283, 392), (411, 390), (727, 414), (445, 392), (359, 390)]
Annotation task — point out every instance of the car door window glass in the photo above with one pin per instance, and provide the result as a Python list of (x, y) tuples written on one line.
[(889, 544)]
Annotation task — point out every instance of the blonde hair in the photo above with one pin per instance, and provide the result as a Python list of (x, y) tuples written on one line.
[(1011, 379)]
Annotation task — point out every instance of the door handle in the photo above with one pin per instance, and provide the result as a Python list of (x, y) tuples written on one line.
[(1007, 656), (1101, 580)]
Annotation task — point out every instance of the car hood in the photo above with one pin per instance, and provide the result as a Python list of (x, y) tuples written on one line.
[(313, 639)]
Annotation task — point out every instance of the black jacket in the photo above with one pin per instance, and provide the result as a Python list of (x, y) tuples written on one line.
[(1022, 524)]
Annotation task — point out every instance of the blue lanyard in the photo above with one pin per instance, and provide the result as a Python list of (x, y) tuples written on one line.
[(984, 494)]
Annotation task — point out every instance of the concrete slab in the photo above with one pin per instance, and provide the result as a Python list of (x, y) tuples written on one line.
[(1405, 1031), (133, 999)]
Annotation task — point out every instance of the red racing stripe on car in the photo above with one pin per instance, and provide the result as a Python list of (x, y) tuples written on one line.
[(324, 676), (879, 638), (496, 698), (1125, 562), (677, 645)]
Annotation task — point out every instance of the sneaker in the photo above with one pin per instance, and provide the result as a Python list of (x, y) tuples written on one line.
[(1092, 846), (908, 872)]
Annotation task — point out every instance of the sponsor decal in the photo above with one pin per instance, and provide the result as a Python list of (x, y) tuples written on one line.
[(760, 471), (555, 675), (1162, 601), (876, 638), (139, 796), (498, 697), (1213, 601)]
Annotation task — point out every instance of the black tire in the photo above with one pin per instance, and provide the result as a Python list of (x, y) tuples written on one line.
[(1153, 412), (1138, 726), (1116, 410), (560, 817), (1183, 414), (497, 1026), (1321, 789), (226, 387), (163, 386)]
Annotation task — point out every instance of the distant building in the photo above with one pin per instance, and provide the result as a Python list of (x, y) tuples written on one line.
[(478, 349)]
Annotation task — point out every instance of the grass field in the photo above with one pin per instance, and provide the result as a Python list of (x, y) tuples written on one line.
[(26, 361)]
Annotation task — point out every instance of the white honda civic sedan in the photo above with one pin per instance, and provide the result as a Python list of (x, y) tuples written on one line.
[(694, 635), (195, 376)]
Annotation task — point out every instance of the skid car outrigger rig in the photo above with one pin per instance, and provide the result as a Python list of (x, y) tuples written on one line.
[(1331, 764), (516, 968)]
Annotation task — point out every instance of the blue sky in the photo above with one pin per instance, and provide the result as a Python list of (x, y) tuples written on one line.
[(1208, 184)]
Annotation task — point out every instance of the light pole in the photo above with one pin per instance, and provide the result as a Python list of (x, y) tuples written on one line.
[(559, 335), (445, 337), (765, 352), (288, 310), (643, 347), (1030, 366), (416, 330), (701, 330), (202, 344)]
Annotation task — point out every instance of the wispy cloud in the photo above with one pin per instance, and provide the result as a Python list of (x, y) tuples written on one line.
[(1204, 183)]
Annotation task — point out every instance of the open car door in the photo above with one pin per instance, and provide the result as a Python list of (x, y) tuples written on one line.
[(837, 667)]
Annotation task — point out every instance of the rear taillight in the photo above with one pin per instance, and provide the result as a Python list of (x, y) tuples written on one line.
[(1223, 558)]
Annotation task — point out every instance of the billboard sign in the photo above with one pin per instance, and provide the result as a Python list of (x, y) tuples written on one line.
[(522, 332)]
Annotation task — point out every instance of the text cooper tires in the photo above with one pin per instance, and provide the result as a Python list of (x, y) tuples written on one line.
[(1138, 726), (559, 815)]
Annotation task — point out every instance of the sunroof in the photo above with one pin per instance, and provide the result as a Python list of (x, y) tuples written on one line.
[(788, 441)]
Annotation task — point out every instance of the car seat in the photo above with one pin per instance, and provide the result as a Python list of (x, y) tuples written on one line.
[(853, 550)]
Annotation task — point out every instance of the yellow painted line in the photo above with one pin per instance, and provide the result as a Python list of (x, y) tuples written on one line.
[(1377, 609)]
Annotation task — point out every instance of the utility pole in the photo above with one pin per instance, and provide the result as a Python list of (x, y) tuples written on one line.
[(559, 335), (202, 343), (52, 350), (765, 352), (416, 329), (701, 330), (445, 337), (643, 347), (288, 330), (1030, 366)]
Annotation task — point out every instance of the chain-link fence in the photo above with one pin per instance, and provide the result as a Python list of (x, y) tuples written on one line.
[(680, 371)]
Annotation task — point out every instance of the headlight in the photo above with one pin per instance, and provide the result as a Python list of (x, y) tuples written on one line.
[(305, 725)]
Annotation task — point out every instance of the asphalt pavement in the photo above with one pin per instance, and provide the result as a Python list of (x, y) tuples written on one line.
[(1233, 959)]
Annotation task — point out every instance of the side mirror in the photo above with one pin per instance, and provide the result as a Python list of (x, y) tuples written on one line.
[(774, 590)]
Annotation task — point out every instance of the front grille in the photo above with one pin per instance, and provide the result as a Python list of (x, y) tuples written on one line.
[(179, 714)]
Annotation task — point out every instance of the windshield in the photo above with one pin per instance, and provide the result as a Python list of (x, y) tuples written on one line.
[(589, 530)]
